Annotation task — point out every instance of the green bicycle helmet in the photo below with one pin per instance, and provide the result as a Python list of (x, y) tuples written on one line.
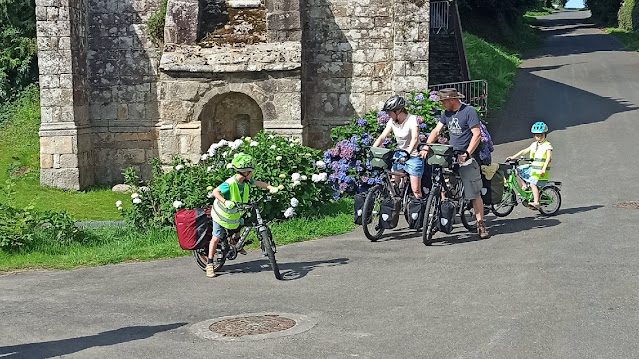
[(539, 127), (242, 162)]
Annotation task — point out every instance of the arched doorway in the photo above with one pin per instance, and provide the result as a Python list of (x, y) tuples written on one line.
[(229, 116)]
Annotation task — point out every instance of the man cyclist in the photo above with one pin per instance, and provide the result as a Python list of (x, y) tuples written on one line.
[(462, 122), (406, 131)]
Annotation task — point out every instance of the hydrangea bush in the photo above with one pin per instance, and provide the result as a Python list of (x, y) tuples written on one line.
[(348, 162), (296, 170)]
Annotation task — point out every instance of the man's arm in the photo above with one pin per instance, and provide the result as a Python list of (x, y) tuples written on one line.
[(383, 136), (434, 134), (474, 141)]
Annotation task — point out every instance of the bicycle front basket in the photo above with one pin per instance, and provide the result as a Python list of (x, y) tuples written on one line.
[(382, 157), (440, 155)]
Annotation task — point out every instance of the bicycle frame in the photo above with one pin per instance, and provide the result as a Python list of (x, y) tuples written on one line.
[(526, 196)]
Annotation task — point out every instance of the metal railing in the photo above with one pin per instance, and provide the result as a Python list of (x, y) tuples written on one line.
[(439, 16), (475, 93)]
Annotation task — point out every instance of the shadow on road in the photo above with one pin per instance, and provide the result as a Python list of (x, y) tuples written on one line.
[(580, 209), (57, 348), (290, 271)]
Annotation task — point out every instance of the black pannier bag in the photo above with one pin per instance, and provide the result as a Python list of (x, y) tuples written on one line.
[(358, 202), (389, 213), (446, 216), (486, 192), (415, 213)]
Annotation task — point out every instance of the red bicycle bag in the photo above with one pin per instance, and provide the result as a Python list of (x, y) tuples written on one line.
[(194, 227)]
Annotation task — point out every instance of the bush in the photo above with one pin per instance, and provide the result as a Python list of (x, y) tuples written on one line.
[(629, 15), (348, 161), (279, 161), (155, 23), (604, 11)]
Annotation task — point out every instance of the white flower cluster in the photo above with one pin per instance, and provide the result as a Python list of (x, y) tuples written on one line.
[(135, 197), (321, 177)]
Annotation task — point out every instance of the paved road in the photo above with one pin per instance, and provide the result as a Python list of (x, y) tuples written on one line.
[(561, 287)]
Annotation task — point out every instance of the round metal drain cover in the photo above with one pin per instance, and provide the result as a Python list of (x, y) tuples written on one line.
[(255, 326), (629, 204)]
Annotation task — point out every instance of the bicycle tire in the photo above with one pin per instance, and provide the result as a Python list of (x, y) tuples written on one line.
[(269, 249), (369, 210), (507, 204), (550, 193), (201, 258), (431, 215), (470, 223)]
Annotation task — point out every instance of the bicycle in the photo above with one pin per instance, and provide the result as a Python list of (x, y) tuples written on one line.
[(446, 181), (399, 192), (226, 251), (549, 194)]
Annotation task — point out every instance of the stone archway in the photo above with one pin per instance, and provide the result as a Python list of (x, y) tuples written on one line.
[(229, 116)]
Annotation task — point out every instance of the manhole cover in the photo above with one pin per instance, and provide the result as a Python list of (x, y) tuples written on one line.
[(239, 327), (254, 326), (629, 204)]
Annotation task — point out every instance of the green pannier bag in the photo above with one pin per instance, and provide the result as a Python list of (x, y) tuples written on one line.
[(440, 155), (382, 157)]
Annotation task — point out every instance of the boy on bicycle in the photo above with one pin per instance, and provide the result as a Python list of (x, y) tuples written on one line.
[(234, 190), (535, 174)]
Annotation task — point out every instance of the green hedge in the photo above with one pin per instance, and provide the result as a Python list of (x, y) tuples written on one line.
[(629, 15)]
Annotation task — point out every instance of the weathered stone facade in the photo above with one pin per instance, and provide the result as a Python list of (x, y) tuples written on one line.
[(112, 99)]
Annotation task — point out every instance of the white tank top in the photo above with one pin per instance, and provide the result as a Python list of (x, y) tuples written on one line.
[(403, 133)]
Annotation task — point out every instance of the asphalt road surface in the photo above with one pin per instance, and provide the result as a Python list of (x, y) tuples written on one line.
[(559, 287)]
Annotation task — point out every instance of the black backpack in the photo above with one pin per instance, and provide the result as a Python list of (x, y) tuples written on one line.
[(446, 216)]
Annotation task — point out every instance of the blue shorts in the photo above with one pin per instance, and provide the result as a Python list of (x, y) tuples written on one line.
[(524, 173), (414, 166), (219, 231)]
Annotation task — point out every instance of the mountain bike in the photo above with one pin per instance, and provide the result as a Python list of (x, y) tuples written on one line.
[(226, 251), (399, 191), (549, 194), (447, 183)]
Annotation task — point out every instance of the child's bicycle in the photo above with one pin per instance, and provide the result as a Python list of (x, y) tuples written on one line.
[(549, 195), (227, 251)]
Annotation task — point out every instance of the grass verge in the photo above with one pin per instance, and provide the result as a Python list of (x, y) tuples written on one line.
[(630, 40), (20, 164), (115, 245)]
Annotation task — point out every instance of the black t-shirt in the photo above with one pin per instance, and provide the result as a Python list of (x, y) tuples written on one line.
[(459, 124)]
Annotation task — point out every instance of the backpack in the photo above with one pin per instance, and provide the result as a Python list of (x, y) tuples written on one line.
[(486, 145), (446, 216), (194, 227)]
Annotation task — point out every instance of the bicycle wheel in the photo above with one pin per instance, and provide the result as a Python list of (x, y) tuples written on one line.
[(507, 204), (269, 249), (405, 199), (550, 200), (370, 218), (467, 216), (431, 215), (201, 257)]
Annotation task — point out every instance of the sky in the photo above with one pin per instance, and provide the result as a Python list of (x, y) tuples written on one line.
[(575, 4)]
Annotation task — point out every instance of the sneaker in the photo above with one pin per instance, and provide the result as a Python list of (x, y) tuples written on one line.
[(210, 270), (482, 231)]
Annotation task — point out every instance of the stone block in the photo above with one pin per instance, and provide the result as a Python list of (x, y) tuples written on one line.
[(64, 178), (46, 160), (283, 21), (68, 161), (123, 111), (52, 13), (50, 114), (49, 81)]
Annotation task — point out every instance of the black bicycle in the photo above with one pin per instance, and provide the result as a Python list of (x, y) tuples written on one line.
[(226, 251), (446, 184), (397, 190)]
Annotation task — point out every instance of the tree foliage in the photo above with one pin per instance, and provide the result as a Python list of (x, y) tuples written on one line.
[(18, 65), (629, 15), (604, 11)]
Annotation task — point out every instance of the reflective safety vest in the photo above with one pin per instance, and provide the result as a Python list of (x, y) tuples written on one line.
[(539, 153), (230, 218)]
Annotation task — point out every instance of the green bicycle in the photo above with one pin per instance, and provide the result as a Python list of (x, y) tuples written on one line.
[(549, 195)]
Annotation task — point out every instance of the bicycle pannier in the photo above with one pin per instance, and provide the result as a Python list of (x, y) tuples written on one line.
[(382, 157), (440, 155), (497, 187), (389, 213), (194, 227), (446, 216), (359, 207), (486, 190), (415, 213)]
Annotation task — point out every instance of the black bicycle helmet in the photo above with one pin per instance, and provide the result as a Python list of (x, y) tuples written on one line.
[(394, 103)]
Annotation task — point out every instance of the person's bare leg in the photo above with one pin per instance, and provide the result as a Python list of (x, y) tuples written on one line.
[(535, 191), (416, 186)]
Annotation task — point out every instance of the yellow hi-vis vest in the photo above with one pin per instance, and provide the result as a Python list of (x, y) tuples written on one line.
[(539, 153), (230, 218)]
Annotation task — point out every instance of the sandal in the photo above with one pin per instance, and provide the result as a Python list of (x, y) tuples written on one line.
[(533, 206)]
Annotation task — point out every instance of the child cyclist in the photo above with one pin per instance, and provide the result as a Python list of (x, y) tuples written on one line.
[(540, 152), (224, 212)]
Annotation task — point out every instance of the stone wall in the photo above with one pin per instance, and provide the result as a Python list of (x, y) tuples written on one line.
[(356, 53)]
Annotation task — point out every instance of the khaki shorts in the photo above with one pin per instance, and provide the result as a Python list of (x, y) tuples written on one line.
[(471, 178)]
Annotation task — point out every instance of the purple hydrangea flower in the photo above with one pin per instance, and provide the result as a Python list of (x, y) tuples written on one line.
[(419, 97), (382, 118), (433, 96), (361, 122)]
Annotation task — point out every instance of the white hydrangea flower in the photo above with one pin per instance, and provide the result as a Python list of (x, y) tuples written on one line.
[(179, 167), (247, 139), (204, 157), (253, 144), (144, 189), (314, 177), (290, 211), (225, 153), (273, 147), (270, 137), (292, 144), (320, 164), (177, 204), (294, 202), (118, 204), (209, 169), (303, 177), (296, 183), (137, 200), (295, 177), (323, 177), (280, 187), (223, 143), (135, 195), (278, 158)]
